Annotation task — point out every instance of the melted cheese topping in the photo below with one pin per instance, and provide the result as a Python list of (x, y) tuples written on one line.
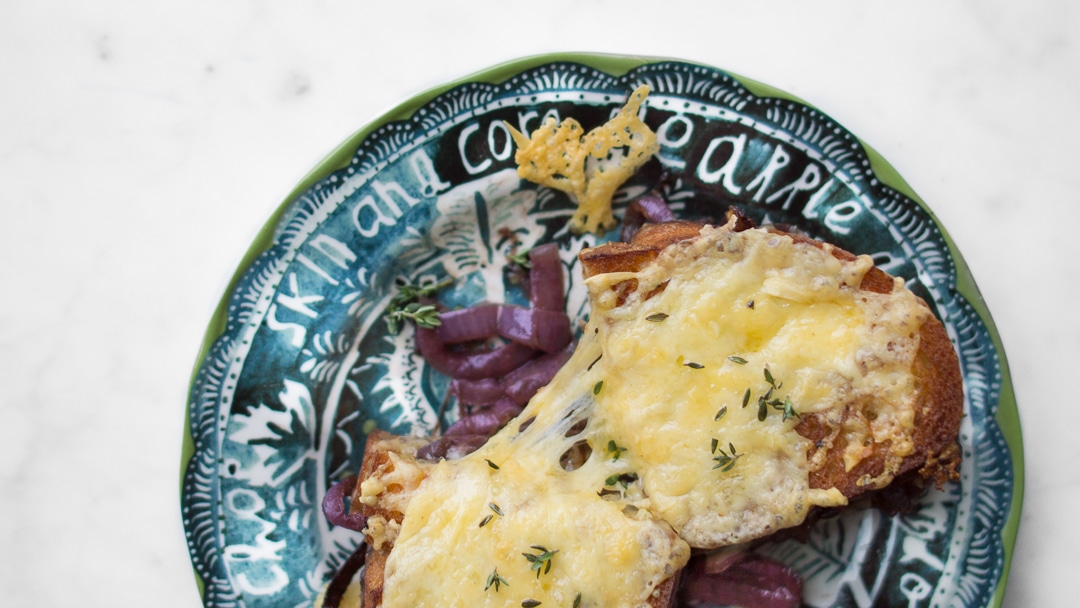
[(661, 398)]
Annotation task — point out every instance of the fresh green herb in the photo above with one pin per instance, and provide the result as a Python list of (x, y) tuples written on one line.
[(540, 561), (726, 461), (715, 444), (769, 378), (404, 306), (494, 507), (492, 464), (746, 398), (485, 521), (656, 317), (596, 387), (521, 258), (425, 315), (614, 450), (595, 361), (789, 410), (693, 365), (623, 479), (720, 413), (495, 580), (530, 603), (762, 408), (577, 600), (737, 359)]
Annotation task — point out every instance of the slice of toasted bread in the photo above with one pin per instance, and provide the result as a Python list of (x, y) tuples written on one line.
[(940, 394)]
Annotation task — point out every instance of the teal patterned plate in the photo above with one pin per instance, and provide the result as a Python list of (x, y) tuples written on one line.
[(297, 365)]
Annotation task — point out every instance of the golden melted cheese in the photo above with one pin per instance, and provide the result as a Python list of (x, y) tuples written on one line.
[(650, 379), (588, 166)]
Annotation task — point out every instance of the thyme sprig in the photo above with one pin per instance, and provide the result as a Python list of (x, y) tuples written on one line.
[(404, 305), (494, 580), (724, 461), (540, 561), (425, 315), (767, 400), (614, 450)]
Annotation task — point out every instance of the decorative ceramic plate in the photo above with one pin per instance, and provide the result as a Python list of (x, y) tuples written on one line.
[(298, 365)]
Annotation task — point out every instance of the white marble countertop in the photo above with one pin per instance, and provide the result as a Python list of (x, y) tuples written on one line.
[(142, 145)]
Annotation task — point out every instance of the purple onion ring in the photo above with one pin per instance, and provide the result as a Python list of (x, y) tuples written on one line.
[(649, 207), (335, 591), (744, 580), (545, 278), (333, 505), (470, 366)]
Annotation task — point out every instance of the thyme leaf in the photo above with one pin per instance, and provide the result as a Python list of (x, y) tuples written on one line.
[(521, 258), (595, 361), (656, 317), (623, 479), (789, 410), (737, 359)]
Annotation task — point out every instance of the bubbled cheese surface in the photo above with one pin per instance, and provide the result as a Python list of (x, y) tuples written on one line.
[(661, 380)]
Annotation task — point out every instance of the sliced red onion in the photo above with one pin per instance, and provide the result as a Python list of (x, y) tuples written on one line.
[(521, 384), (649, 207), (545, 330), (477, 392), (750, 580), (486, 421), (545, 278), (333, 505), (470, 366), (467, 324), (451, 447), (335, 591)]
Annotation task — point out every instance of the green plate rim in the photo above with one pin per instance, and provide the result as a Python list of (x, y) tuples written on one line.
[(1007, 416)]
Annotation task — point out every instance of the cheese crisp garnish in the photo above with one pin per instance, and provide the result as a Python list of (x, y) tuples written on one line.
[(588, 166), (659, 382)]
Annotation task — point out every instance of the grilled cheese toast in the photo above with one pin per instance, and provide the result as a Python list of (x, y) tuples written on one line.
[(730, 381)]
